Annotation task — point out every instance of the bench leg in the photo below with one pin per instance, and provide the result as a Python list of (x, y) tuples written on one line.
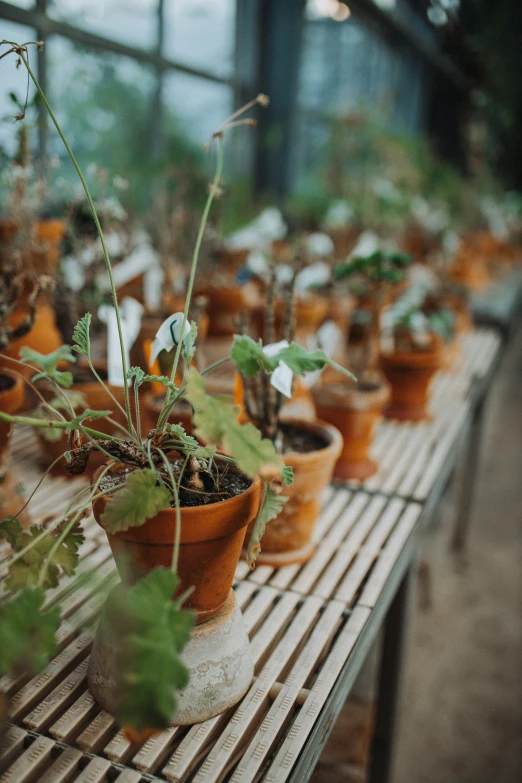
[(393, 650), (468, 474)]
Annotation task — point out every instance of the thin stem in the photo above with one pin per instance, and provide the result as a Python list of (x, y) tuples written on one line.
[(53, 424), (218, 363), (177, 530), (102, 383), (163, 417), (98, 228)]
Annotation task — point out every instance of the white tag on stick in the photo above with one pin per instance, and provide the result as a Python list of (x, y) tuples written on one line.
[(168, 335)]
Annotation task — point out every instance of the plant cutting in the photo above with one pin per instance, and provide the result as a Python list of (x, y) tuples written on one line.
[(413, 354), (356, 409), (175, 511), (309, 448)]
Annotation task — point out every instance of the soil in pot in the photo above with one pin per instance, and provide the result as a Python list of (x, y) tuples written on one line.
[(410, 376), (355, 411), (311, 449), (213, 528)]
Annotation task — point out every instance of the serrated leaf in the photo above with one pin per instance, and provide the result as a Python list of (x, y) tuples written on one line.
[(88, 413), (27, 634), (271, 507), (177, 431), (140, 499), (148, 630), (48, 363), (189, 343), (215, 421), (287, 474), (138, 375), (302, 361), (249, 357), (26, 570), (163, 379), (81, 337)]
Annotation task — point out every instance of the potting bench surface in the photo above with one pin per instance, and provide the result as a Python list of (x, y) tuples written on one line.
[(311, 626)]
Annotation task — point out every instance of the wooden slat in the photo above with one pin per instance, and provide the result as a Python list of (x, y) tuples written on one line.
[(63, 768), (12, 743), (29, 765)]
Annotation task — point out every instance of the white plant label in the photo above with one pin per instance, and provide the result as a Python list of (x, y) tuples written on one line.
[(152, 287), (282, 377), (168, 335), (130, 314)]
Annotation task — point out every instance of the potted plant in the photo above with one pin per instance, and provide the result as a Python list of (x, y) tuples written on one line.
[(356, 409), (177, 510), (413, 354), (309, 448)]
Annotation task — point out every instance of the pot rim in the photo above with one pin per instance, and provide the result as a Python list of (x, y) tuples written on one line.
[(334, 446), (415, 360), (11, 398), (341, 396), (196, 524)]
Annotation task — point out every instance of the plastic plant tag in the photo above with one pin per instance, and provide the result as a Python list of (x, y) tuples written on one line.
[(168, 335), (319, 244), (316, 275), (130, 314), (282, 377)]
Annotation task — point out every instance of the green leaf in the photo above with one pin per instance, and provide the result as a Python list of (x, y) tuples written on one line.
[(271, 507), (249, 357), (287, 474), (302, 361), (82, 340), (27, 634), (161, 379), (140, 499), (177, 431), (148, 630), (189, 343), (215, 421), (88, 413), (48, 363), (26, 570), (138, 375)]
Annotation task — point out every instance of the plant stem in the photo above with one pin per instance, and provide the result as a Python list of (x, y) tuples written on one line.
[(53, 424), (98, 228), (215, 364), (163, 417)]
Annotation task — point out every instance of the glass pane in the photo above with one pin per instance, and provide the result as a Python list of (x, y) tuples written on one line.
[(200, 34), (14, 80), (200, 105), (132, 22), (103, 102)]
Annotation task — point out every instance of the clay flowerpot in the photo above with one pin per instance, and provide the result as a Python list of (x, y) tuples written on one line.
[(212, 537), (217, 656), (224, 307), (49, 234), (287, 538), (11, 400), (410, 376), (355, 411)]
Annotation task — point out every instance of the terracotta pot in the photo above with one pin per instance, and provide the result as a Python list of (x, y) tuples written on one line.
[(287, 538), (309, 313), (97, 399), (355, 411), (344, 239), (11, 400), (151, 405), (49, 234), (212, 537), (410, 376), (44, 337), (224, 307)]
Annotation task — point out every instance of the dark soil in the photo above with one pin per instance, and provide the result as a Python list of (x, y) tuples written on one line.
[(231, 484), (6, 382), (300, 440)]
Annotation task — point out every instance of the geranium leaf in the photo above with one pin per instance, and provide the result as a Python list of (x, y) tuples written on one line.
[(287, 474), (215, 420), (148, 630), (26, 570), (189, 343), (140, 499), (82, 341), (48, 364), (271, 507), (302, 361), (138, 375), (249, 357), (27, 634)]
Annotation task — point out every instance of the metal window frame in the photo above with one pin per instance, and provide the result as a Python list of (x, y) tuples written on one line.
[(37, 17)]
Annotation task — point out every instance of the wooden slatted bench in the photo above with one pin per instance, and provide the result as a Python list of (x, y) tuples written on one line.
[(311, 626)]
